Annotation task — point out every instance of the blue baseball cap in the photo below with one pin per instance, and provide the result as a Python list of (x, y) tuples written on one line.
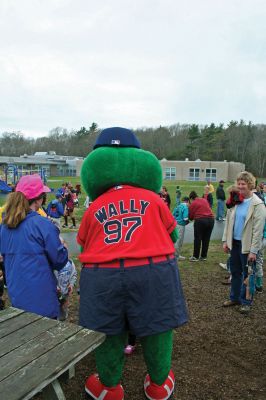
[(117, 137)]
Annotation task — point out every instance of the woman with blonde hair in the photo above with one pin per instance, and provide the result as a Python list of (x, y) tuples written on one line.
[(207, 195), (31, 248), (242, 237)]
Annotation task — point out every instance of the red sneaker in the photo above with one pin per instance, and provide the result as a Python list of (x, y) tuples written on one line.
[(98, 391), (162, 392)]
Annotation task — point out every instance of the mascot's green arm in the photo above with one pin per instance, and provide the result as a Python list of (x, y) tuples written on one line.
[(174, 235)]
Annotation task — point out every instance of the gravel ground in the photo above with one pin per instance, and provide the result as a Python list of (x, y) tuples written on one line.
[(219, 355)]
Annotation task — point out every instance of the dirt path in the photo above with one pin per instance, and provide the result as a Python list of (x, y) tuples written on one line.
[(219, 355)]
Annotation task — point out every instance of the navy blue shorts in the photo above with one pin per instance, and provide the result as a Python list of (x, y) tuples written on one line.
[(144, 300)]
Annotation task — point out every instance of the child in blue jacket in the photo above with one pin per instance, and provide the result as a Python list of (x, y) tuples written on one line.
[(55, 211), (180, 214)]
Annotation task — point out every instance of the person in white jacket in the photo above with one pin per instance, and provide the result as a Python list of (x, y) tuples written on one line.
[(242, 237)]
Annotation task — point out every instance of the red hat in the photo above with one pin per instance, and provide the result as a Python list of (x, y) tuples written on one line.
[(31, 186)]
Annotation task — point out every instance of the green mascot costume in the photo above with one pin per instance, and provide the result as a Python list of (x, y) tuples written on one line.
[(129, 281)]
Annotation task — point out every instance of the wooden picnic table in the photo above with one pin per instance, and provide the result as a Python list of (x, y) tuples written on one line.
[(35, 351)]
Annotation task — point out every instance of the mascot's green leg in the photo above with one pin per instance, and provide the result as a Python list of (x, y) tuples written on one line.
[(157, 350), (110, 359)]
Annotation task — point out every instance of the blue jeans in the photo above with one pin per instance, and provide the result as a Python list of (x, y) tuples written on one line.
[(220, 209), (239, 272)]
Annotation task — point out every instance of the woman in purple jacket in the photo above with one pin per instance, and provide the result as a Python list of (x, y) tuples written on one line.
[(31, 249)]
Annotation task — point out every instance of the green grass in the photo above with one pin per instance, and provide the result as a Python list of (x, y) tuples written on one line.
[(185, 186)]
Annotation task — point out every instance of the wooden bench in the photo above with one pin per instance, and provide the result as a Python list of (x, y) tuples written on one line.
[(35, 351)]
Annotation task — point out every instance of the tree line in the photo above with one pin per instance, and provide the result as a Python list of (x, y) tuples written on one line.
[(237, 141)]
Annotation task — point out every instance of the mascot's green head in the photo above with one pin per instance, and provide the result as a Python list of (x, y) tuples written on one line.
[(118, 159)]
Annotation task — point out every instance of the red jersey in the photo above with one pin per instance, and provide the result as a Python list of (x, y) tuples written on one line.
[(200, 208), (126, 222)]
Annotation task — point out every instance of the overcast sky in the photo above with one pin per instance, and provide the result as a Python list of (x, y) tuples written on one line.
[(130, 63)]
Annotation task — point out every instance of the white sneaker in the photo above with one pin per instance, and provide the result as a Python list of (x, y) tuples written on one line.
[(223, 266), (181, 258), (193, 258), (245, 309)]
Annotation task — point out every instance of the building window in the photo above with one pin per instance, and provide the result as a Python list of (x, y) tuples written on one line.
[(170, 173), (194, 174), (71, 171), (211, 174)]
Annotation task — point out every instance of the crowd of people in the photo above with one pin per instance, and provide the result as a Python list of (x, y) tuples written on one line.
[(67, 198), (197, 209), (244, 239), (39, 276)]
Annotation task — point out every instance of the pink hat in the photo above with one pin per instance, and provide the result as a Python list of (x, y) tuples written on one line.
[(31, 186)]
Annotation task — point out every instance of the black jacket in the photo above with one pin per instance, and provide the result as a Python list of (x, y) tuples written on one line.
[(220, 194)]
